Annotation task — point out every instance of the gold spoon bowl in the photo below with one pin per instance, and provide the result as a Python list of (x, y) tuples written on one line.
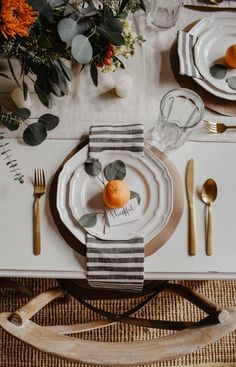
[(209, 195)]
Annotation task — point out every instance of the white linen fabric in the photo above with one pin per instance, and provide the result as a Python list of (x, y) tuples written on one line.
[(152, 77), (115, 264), (185, 47)]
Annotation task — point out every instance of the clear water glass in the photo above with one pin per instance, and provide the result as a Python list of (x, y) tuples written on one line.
[(181, 110), (163, 14)]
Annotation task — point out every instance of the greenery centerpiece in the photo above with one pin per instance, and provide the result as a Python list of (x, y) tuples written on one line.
[(41, 34)]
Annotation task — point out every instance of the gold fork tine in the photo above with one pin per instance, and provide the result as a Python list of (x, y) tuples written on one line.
[(43, 178), (210, 126)]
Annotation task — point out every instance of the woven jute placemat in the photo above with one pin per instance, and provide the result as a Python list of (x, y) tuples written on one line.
[(14, 353)]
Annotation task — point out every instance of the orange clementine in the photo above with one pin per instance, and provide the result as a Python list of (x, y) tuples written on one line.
[(116, 194), (230, 56)]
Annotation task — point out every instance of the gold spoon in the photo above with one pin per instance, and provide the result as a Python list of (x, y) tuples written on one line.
[(208, 195)]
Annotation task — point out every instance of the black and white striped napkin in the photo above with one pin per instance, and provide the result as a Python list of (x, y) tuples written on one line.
[(185, 49), (113, 264), (123, 137)]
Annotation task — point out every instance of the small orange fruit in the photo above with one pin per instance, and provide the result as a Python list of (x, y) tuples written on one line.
[(116, 194), (230, 56)]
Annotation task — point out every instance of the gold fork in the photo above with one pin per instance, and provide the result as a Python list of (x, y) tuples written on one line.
[(39, 190), (217, 127)]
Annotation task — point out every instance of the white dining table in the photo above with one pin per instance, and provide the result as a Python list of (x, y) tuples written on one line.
[(86, 105)]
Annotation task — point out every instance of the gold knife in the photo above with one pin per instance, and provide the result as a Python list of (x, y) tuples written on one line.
[(192, 248), (209, 8)]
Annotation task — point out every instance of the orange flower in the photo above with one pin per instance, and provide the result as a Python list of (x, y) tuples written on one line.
[(16, 16)]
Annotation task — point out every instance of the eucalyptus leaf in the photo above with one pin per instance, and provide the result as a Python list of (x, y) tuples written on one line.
[(25, 90), (115, 170), (84, 25), (93, 166), (67, 71), (49, 121), (43, 7), (45, 98), (62, 83), (135, 195), (112, 23), (34, 134), (113, 37), (94, 73), (56, 3), (88, 220), (218, 71), (22, 113), (67, 30), (55, 89), (231, 82), (81, 49), (10, 121)]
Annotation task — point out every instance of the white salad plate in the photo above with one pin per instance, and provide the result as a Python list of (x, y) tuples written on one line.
[(79, 193), (215, 34), (208, 51)]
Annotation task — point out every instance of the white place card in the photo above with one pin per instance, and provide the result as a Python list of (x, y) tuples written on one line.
[(129, 213)]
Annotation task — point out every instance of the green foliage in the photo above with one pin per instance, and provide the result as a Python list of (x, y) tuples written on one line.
[(231, 82), (35, 133), (115, 170), (93, 166), (78, 30), (11, 163), (88, 220), (135, 195)]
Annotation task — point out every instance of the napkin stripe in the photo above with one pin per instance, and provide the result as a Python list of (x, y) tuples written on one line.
[(185, 49), (115, 262), (115, 140), (125, 138)]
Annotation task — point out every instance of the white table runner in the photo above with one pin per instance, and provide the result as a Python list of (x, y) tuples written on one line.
[(152, 77)]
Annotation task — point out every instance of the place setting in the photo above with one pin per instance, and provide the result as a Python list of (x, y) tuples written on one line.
[(203, 59), (119, 194)]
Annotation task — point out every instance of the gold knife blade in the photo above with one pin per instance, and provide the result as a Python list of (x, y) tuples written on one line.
[(192, 217), (209, 8)]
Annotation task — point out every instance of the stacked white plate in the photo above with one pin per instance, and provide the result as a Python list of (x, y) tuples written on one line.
[(215, 34), (79, 193)]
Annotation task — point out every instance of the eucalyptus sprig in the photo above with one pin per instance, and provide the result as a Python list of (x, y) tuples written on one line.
[(36, 132), (11, 163), (113, 171)]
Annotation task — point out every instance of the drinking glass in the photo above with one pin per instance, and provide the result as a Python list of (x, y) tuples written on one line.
[(181, 110), (162, 14)]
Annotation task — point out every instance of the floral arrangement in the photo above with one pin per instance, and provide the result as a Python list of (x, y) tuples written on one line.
[(41, 34)]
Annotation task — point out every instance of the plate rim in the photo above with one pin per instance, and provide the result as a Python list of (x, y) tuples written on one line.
[(79, 229)]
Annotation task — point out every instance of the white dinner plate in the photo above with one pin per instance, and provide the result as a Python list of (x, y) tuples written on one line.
[(210, 50), (213, 23), (78, 193), (85, 196)]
